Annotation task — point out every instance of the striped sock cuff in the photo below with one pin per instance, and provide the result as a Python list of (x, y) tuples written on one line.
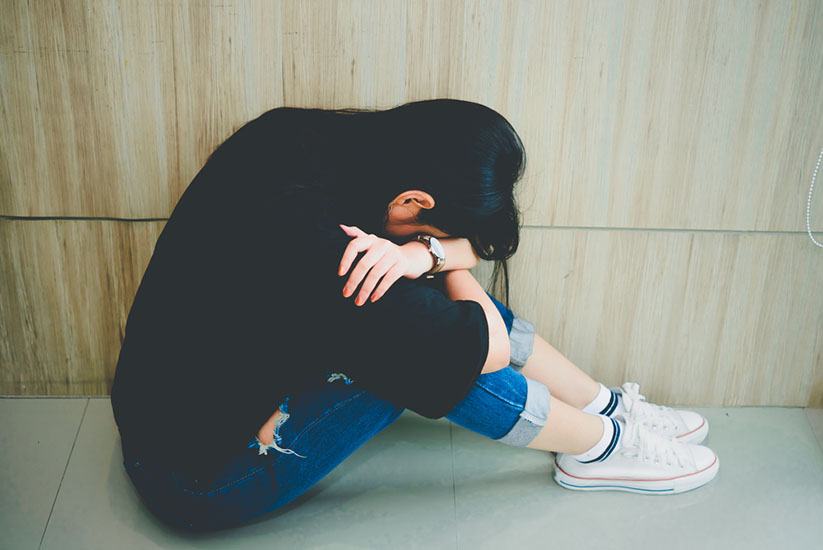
[(607, 444), (612, 404), (606, 402)]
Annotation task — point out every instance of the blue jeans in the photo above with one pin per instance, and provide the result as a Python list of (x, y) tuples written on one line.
[(321, 427)]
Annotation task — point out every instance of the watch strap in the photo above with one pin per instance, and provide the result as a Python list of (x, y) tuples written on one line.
[(438, 261)]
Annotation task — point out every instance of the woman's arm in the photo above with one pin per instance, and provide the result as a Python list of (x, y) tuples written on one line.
[(461, 285), (459, 253), (385, 261)]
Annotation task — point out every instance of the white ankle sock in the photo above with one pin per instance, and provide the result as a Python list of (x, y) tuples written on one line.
[(609, 442), (607, 402)]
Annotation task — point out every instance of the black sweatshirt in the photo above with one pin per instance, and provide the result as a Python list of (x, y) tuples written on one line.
[(241, 306)]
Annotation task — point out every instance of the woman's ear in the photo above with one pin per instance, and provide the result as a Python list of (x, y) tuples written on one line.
[(407, 205), (423, 199)]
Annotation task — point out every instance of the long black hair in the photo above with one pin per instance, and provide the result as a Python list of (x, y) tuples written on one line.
[(465, 155)]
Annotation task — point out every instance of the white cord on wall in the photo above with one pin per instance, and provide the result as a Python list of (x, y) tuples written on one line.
[(809, 203)]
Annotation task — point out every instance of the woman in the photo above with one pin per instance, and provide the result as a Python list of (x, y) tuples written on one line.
[(312, 282)]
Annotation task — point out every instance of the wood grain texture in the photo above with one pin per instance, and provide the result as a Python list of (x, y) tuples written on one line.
[(696, 318), (669, 114), (66, 289), (679, 115), (88, 120)]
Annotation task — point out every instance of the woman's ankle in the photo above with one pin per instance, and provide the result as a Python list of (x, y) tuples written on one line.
[(568, 430)]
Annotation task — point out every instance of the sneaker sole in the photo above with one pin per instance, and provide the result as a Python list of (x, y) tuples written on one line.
[(696, 436), (658, 486)]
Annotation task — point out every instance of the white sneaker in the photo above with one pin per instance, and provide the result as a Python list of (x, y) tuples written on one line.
[(683, 426), (642, 463)]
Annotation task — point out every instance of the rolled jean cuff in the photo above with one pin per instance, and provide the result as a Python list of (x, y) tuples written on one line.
[(533, 417), (521, 339)]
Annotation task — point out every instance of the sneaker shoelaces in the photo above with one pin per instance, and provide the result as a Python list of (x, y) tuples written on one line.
[(639, 442), (643, 412)]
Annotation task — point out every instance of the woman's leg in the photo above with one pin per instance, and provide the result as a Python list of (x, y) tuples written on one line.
[(319, 428), (647, 462), (508, 407), (537, 359), (518, 410), (563, 378), (325, 424)]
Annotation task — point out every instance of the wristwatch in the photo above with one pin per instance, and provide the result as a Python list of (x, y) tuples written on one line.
[(437, 251)]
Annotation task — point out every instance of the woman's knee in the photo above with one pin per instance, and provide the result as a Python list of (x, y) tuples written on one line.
[(505, 406), (521, 335), (533, 416)]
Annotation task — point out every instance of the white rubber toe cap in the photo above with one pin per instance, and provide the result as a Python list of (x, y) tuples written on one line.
[(703, 456), (707, 465), (697, 428)]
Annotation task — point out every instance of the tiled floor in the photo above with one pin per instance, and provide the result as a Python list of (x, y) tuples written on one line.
[(421, 484)]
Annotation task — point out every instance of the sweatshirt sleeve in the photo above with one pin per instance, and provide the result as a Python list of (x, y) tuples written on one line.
[(413, 347), (420, 350)]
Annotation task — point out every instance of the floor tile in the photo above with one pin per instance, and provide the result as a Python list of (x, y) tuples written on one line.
[(768, 494), (815, 418), (394, 492), (397, 491), (36, 438)]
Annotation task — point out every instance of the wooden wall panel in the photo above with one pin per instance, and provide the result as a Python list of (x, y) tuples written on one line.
[(66, 289), (228, 70), (334, 52), (88, 122), (695, 317), (635, 114), (680, 115), (675, 116)]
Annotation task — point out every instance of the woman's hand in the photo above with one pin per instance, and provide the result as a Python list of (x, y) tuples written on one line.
[(384, 259)]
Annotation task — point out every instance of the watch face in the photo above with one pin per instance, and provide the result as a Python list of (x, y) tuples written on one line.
[(437, 248)]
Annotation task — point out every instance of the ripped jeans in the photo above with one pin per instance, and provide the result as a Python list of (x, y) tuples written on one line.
[(321, 427)]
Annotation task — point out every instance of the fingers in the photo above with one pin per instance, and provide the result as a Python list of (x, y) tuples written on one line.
[(351, 252), (353, 249), (352, 230), (365, 265), (383, 263), (389, 279), (379, 270)]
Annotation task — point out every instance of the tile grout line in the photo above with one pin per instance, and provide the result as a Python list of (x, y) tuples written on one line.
[(811, 427), (73, 443), (454, 488)]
